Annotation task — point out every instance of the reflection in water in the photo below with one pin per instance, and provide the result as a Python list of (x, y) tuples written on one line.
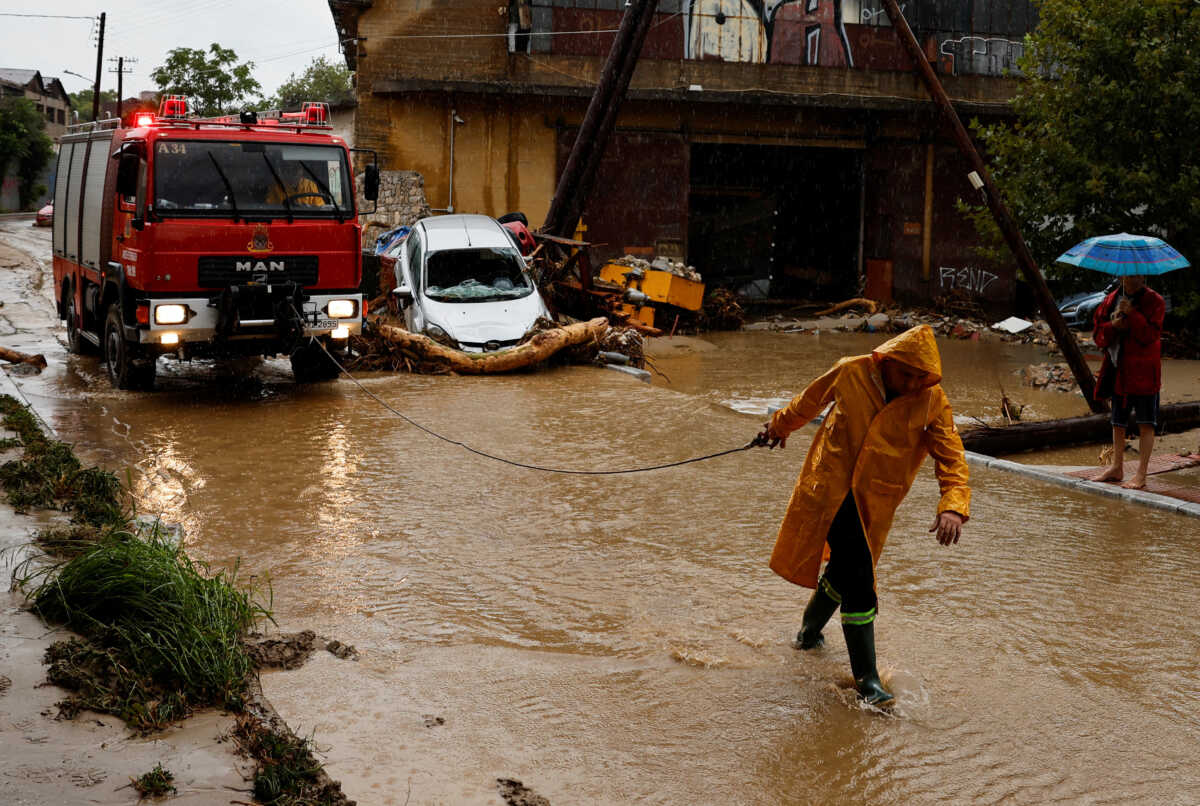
[(620, 639)]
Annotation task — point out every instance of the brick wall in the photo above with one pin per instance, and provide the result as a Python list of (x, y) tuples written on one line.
[(401, 202)]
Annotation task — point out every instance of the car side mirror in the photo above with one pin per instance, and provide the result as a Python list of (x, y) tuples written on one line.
[(371, 183), (403, 293)]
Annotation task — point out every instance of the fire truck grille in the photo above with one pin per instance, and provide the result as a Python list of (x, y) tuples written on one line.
[(220, 272)]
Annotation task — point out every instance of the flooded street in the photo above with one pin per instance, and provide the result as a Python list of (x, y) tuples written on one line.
[(620, 639)]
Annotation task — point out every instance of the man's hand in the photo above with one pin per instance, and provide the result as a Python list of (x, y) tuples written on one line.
[(769, 438), (1124, 306), (948, 526)]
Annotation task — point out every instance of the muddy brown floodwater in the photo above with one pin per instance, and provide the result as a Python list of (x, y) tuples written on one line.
[(620, 639)]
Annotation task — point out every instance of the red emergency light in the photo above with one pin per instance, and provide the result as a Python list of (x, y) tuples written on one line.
[(143, 119), (173, 106), (315, 113)]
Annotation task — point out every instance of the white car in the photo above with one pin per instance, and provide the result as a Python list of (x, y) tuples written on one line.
[(463, 282)]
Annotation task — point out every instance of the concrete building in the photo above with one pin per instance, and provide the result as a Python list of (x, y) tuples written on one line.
[(47, 93), (780, 147)]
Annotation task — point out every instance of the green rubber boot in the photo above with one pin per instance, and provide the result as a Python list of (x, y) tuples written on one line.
[(860, 643), (820, 609)]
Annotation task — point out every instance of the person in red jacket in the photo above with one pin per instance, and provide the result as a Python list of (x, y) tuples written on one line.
[(1128, 327)]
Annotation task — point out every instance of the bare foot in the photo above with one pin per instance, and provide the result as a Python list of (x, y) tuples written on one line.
[(1115, 473), (1136, 483)]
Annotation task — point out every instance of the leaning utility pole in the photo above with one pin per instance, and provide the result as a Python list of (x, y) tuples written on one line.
[(579, 172), (1004, 220), (99, 65)]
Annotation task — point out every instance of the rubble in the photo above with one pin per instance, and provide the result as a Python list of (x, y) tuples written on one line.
[(1055, 377)]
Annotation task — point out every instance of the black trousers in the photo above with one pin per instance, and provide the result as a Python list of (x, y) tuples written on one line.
[(850, 575)]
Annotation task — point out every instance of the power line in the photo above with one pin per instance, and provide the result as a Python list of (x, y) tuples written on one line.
[(44, 16)]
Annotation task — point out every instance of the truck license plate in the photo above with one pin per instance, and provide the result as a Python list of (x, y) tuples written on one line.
[(324, 324)]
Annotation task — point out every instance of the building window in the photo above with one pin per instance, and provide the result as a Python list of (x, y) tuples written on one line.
[(60, 115)]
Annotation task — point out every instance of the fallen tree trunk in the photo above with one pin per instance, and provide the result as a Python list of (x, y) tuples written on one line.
[(16, 357), (537, 349), (1091, 429), (857, 302)]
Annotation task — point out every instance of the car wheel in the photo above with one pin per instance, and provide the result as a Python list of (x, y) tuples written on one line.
[(124, 370)]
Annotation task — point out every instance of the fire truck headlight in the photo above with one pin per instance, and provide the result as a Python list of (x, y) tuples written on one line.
[(170, 314), (340, 332), (170, 338), (341, 308)]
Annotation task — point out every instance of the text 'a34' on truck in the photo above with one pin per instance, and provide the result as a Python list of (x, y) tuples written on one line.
[(213, 237)]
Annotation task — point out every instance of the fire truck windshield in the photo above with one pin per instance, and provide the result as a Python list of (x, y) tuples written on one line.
[(230, 179)]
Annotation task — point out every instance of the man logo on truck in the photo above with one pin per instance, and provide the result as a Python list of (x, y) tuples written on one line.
[(260, 266)]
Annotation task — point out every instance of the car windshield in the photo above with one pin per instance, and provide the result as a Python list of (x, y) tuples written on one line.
[(476, 275), (208, 178)]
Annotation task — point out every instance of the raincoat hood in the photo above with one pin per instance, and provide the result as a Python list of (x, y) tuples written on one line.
[(916, 347)]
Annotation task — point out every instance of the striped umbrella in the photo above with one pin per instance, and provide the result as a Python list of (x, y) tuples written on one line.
[(1123, 254)]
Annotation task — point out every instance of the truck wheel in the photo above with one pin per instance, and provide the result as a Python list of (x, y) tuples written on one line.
[(124, 371), (76, 343), (310, 364)]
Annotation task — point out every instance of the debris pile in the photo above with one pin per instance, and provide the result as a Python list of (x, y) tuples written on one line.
[(721, 311), (1055, 377)]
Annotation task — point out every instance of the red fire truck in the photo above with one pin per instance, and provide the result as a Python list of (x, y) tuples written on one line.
[(212, 237)]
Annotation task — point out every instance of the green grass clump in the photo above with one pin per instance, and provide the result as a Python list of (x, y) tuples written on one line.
[(288, 773), (154, 784), (50, 476), (168, 617)]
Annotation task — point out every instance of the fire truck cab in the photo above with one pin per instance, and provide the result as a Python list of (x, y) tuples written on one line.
[(208, 237)]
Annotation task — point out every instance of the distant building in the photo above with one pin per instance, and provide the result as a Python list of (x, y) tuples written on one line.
[(783, 147), (47, 93)]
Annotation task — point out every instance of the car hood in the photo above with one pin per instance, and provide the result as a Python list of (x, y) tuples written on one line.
[(481, 322), (1075, 299)]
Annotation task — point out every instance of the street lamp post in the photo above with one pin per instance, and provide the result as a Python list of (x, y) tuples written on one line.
[(85, 78)]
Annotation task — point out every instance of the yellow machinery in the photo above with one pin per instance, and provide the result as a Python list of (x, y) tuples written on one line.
[(660, 287)]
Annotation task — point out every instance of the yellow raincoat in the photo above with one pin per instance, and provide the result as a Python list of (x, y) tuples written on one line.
[(869, 446)]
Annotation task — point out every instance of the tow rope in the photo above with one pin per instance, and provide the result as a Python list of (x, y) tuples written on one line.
[(756, 442)]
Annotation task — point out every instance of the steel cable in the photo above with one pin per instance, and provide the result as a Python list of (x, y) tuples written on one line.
[(753, 443)]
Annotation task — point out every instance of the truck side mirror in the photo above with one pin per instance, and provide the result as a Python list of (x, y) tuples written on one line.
[(371, 183), (138, 223), (127, 175)]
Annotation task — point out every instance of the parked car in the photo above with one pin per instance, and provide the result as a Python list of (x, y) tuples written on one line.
[(45, 216), (463, 282), (1078, 310)]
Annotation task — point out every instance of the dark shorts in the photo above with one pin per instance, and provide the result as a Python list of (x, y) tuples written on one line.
[(1142, 409)]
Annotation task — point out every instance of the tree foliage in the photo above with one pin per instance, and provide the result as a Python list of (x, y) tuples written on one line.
[(1106, 133), (82, 102), (24, 146), (322, 80), (213, 81)]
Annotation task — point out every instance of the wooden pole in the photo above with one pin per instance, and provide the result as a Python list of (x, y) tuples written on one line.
[(1173, 418), (587, 179), (585, 140), (99, 64), (1004, 220)]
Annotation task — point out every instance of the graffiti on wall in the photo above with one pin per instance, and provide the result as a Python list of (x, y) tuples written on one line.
[(975, 281), (768, 31)]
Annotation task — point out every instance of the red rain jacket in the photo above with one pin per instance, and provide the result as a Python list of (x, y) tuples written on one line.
[(1140, 368)]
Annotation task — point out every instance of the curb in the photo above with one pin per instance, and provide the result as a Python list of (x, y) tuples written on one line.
[(1097, 488)]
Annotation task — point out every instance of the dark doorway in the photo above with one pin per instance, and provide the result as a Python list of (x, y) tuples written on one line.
[(777, 220)]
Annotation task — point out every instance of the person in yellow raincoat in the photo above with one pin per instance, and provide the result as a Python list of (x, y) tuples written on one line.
[(888, 412)]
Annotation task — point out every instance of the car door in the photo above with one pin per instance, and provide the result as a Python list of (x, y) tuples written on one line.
[(411, 262)]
